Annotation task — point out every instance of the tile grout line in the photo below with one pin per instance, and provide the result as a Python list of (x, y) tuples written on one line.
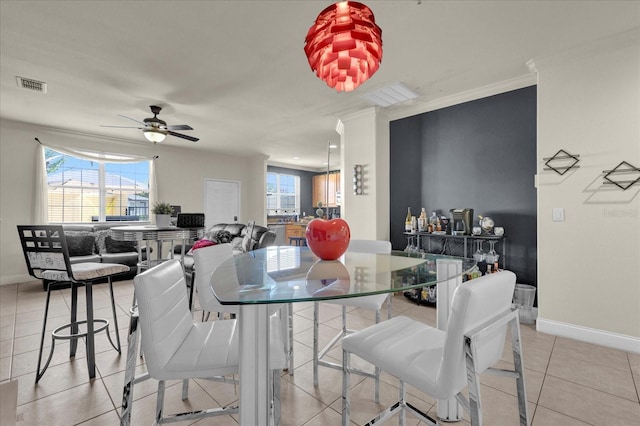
[(544, 379), (13, 337), (633, 379)]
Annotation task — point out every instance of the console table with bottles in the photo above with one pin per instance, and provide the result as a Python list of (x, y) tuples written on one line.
[(459, 245)]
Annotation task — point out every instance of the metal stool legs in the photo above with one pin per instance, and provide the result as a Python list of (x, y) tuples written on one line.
[(74, 329)]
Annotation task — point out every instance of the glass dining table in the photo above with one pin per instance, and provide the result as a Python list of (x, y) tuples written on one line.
[(288, 274)]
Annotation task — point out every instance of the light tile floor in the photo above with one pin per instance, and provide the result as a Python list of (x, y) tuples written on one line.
[(568, 382)]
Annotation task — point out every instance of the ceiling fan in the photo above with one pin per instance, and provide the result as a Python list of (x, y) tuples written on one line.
[(156, 130)]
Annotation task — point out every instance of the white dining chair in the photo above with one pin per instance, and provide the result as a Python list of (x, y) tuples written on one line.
[(177, 348), (373, 303), (206, 261), (443, 363)]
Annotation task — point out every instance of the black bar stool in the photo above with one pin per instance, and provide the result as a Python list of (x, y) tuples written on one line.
[(297, 241), (47, 256)]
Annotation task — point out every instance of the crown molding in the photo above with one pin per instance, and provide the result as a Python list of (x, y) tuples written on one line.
[(466, 96)]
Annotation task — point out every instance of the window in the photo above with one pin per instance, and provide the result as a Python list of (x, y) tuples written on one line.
[(82, 190), (283, 194)]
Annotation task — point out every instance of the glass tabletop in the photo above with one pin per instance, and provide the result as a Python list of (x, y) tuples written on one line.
[(284, 274)]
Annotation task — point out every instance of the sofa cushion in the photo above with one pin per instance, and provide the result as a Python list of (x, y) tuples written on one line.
[(237, 245), (80, 244), (126, 258), (83, 259), (115, 246)]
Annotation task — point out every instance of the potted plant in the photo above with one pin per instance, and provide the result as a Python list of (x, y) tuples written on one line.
[(162, 211)]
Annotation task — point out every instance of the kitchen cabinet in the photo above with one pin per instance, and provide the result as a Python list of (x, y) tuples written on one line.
[(320, 190), (294, 230)]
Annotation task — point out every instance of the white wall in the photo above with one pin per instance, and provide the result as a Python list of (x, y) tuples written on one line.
[(589, 265), (365, 141), (180, 176)]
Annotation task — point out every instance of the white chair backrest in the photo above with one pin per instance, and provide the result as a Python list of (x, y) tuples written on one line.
[(163, 308), (369, 246), (475, 302), (207, 260)]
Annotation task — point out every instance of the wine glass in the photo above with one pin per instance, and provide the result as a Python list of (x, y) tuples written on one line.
[(410, 247), (492, 256), (478, 255)]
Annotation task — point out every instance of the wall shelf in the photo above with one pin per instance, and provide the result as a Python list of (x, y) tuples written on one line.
[(623, 169), (561, 162)]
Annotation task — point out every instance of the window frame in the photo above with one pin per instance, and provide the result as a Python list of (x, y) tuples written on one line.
[(104, 187), (279, 210)]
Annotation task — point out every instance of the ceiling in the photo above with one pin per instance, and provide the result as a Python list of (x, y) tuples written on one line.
[(236, 70)]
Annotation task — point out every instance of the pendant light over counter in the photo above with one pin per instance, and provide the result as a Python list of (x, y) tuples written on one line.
[(344, 45)]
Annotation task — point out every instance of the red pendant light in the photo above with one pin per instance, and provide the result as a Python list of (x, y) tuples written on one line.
[(344, 45)]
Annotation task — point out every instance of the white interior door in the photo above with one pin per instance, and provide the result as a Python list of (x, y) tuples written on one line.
[(221, 201)]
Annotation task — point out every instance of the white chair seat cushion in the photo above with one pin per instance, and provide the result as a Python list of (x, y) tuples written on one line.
[(209, 349), (407, 349), (373, 302), (86, 271)]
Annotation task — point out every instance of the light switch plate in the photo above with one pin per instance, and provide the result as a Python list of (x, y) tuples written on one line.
[(558, 214)]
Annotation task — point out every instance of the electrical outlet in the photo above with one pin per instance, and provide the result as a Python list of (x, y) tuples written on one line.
[(558, 214)]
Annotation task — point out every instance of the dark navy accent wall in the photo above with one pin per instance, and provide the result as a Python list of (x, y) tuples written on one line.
[(481, 155)]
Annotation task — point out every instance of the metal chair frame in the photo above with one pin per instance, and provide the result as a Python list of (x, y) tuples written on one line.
[(45, 251)]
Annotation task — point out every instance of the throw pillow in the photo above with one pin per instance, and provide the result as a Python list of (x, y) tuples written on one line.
[(224, 237), (201, 243), (115, 246), (80, 245), (100, 240)]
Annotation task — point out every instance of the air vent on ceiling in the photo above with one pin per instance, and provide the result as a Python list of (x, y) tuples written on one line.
[(390, 95), (28, 83)]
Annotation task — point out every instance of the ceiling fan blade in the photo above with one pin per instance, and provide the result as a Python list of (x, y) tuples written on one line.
[(124, 127), (133, 119), (179, 127), (180, 135)]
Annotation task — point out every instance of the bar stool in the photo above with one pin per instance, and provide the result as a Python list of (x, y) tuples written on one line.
[(297, 241), (47, 256)]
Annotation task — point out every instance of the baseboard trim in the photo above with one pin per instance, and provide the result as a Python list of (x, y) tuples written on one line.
[(589, 335)]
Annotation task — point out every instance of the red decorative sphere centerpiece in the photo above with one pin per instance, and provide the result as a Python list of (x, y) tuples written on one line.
[(328, 239)]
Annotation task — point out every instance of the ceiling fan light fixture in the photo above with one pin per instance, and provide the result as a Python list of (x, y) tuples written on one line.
[(154, 135), (344, 45)]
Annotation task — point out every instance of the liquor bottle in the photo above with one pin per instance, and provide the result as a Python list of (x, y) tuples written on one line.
[(433, 221), (422, 221), (407, 221)]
